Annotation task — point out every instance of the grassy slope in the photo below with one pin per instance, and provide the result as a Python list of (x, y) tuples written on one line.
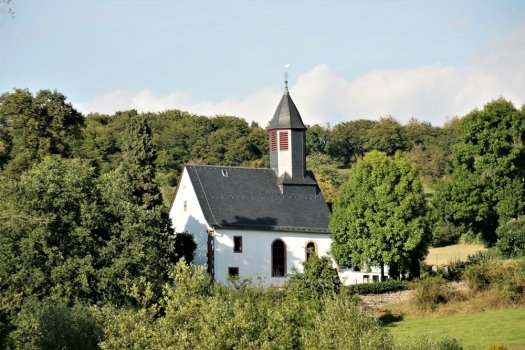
[(445, 255), (478, 330)]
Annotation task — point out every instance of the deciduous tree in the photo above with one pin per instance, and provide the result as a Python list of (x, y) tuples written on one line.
[(381, 215)]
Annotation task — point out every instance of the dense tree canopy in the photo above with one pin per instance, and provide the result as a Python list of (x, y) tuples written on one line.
[(381, 215), (32, 127), (486, 187)]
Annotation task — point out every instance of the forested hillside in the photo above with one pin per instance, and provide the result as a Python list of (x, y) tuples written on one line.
[(83, 200)]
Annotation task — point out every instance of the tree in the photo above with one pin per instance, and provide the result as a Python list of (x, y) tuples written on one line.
[(50, 229), (326, 173), (348, 140), (36, 126), (138, 162), (511, 238), (386, 136), (317, 139), (381, 215), (486, 187)]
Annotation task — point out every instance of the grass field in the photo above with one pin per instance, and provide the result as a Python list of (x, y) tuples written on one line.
[(475, 331), (448, 254)]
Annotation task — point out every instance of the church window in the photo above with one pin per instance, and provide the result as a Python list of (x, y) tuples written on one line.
[(273, 140), (233, 271), (283, 140), (278, 258), (311, 249), (237, 244)]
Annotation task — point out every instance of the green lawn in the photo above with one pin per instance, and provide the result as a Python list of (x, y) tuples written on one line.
[(478, 331)]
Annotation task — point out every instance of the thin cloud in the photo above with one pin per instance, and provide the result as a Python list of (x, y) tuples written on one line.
[(431, 92)]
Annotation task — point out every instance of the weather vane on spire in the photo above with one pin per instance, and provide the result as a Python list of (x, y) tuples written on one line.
[(286, 66)]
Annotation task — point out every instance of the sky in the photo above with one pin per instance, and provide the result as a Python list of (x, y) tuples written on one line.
[(426, 59)]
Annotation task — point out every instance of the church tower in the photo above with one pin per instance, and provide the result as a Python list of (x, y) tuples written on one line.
[(288, 141)]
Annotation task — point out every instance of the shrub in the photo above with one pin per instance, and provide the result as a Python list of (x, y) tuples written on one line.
[(196, 315), (430, 292), (319, 277), (343, 325), (426, 342), (52, 324), (477, 276), (507, 276), (511, 238)]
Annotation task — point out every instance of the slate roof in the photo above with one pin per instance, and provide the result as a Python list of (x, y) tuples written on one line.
[(251, 198), (286, 115)]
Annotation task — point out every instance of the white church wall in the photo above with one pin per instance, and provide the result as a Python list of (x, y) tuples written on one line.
[(186, 215), (255, 261), (285, 156)]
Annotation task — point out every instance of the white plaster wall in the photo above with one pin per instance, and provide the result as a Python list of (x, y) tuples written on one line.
[(256, 258), (285, 157), (191, 218)]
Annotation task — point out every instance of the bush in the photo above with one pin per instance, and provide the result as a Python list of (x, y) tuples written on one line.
[(52, 324), (477, 276), (318, 277), (452, 272), (507, 276), (427, 342), (197, 315), (511, 238), (430, 292), (378, 287)]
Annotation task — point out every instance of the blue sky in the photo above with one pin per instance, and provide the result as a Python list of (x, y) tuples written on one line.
[(429, 60)]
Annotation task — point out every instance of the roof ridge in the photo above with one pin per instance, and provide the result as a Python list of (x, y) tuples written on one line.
[(226, 166)]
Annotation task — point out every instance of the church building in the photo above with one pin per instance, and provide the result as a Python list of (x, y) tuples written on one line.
[(253, 222)]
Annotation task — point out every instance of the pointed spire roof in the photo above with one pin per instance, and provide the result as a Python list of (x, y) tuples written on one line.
[(286, 115)]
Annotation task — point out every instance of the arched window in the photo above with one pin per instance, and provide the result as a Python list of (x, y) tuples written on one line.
[(278, 258), (311, 249)]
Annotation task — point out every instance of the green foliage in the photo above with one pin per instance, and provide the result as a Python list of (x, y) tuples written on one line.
[(51, 324), (49, 230), (317, 139), (428, 342), (377, 287), (344, 325), (197, 314), (486, 186), (318, 277), (349, 140), (430, 292), (68, 235), (506, 276), (511, 238), (138, 162), (386, 136), (326, 173), (32, 127), (381, 216)]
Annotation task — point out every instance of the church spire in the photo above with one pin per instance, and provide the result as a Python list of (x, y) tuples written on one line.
[(287, 138)]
